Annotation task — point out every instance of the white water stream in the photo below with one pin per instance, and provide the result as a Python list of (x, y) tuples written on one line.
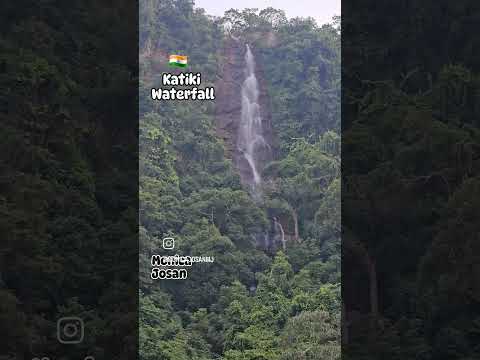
[(251, 143), (250, 138)]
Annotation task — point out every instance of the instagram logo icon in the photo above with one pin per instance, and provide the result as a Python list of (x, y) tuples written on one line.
[(70, 330), (168, 243)]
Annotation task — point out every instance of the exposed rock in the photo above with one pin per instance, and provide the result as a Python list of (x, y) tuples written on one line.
[(229, 107)]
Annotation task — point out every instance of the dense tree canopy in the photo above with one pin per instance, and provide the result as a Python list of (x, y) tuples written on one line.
[(248, 304), (410, 176), (68, 164)]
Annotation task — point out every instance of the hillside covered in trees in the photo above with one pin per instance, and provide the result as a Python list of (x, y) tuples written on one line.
[(278, 303), (68, 164), (410, 180)]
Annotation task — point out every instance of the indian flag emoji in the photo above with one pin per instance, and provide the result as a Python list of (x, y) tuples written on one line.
[(178, 60)]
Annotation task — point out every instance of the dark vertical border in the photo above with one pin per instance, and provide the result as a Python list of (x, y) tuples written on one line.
[(69, 179), (411, 179)]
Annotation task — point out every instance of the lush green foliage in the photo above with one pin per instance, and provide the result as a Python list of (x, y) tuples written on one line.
[(247, 304), (68, 200), (411, 180)]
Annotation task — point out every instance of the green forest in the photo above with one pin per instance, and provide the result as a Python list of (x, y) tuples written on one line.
[(68, 178), (410, 180), (249, 303), (410, 184)]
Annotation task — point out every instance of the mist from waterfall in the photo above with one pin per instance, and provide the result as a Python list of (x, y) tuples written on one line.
[(250, 138)]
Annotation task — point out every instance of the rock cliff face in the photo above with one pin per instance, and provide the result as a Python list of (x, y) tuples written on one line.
[(229, 109)]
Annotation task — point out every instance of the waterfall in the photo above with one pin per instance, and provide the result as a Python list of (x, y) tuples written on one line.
[(252, 147), (250, 139), (266, 243), (279, 227)]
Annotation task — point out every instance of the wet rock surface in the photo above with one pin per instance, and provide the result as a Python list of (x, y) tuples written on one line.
[(228, 114)]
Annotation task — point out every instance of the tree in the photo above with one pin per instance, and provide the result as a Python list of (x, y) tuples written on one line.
[(311, 335)]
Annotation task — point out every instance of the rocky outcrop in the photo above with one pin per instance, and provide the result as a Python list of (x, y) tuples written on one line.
[(229, 107), (228, 103)]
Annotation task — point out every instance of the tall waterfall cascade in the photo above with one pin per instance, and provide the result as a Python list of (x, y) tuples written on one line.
[(250, 138), (253, 148)]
